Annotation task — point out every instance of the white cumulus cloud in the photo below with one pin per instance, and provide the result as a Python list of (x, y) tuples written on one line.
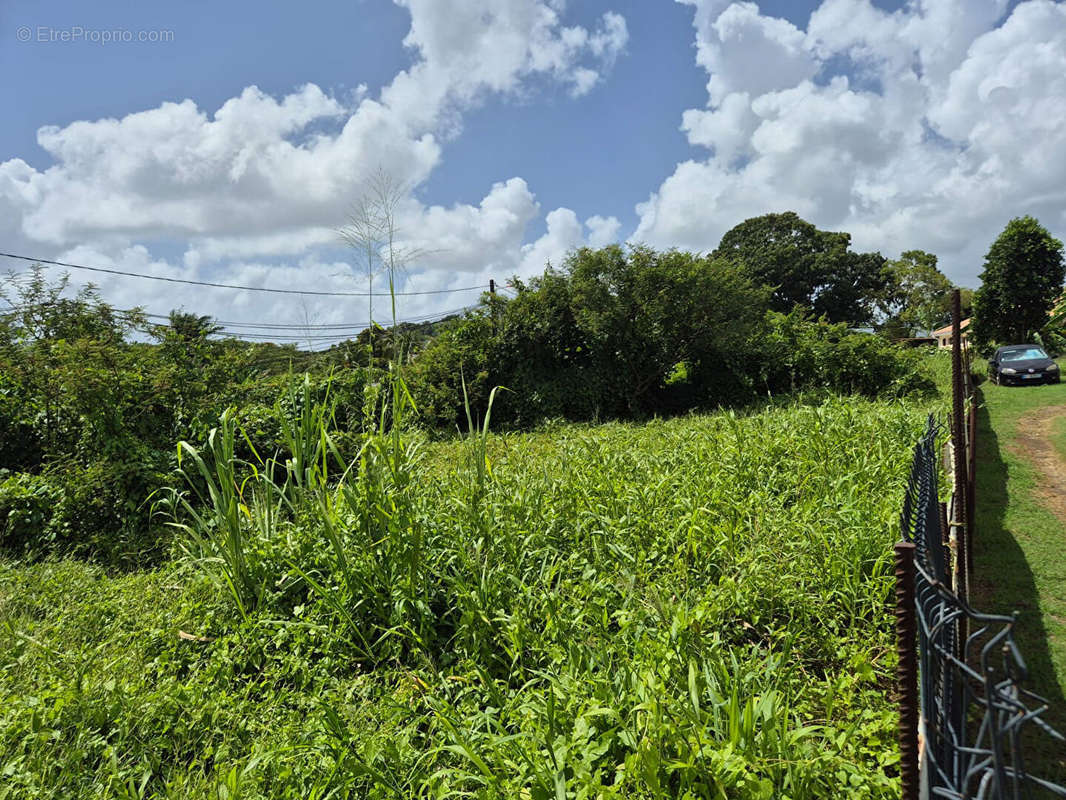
[(264, 178), (928, 127)]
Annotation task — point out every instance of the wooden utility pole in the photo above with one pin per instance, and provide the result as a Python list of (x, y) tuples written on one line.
[(492, 302)]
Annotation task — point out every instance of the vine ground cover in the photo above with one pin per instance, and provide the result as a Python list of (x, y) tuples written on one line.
[(697, 607)]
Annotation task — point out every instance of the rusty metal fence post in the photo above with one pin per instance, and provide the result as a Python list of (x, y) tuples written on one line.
[(907, 670), (971, 486), (961, 487)]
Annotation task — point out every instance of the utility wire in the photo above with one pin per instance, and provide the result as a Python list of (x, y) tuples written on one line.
[(321, 337), (338, 328), (324, 327), (231, 285), (296, 338), (281, 339)]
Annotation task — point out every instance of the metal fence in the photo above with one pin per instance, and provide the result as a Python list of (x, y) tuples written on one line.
[(963, 709), (972, 708)]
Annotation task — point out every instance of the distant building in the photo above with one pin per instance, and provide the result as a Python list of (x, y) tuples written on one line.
[(943, 335)]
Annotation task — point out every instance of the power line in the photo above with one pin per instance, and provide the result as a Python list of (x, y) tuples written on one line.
[(313, 327), (351, 326), (281, 339), (257, 339), (296, 338), (230, 285), (284, 338)]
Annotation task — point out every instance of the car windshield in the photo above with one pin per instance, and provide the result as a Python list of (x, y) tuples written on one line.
[(1023, 354)]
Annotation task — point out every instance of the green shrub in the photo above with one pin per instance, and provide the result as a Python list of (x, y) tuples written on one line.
[(104, 510), (20, 441), (464, 350), (27, 506), (99, 510), (799, 354), (600, 338)]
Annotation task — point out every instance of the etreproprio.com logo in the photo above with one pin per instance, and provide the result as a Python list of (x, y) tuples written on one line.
[(47, 34)]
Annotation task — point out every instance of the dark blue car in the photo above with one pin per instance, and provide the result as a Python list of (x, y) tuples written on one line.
[(1022, 363)]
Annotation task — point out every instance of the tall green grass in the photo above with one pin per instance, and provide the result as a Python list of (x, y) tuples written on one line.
[(688, 608)]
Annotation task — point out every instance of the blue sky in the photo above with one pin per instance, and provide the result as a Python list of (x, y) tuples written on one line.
[(599, 155), (595, 155), (523, 132)]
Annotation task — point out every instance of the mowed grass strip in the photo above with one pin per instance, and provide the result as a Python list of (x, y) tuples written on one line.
[(1058, 436), (692, 608), (1020, 544)]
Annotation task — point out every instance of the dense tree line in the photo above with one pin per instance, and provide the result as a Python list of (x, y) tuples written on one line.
[(627, 333), (93, 401)]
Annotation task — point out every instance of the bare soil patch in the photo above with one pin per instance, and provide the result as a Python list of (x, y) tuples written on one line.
[(1034, 444)]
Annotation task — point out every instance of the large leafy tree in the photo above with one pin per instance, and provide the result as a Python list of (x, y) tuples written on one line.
[(614, 332), (807, 267), (657, 319), (64, 360), (192, 328), (919, 294), (1022, 279), (187, 364)]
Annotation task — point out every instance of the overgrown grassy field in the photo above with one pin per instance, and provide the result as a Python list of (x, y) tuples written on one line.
[(692, 608)]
